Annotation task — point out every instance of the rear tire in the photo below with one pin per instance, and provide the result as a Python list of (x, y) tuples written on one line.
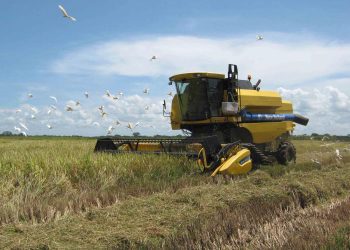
[(286, 153)]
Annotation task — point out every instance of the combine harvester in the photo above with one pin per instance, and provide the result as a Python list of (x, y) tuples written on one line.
[(233, 125)]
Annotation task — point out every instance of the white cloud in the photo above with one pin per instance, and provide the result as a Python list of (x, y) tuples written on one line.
[(280, 59), (327, 108)]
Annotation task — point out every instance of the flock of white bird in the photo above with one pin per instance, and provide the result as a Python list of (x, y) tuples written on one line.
[(338, 156), (23, 129)]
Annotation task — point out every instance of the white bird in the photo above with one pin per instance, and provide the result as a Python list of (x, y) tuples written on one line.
[(96, 124), (24, 133), (65, 14), (324, 138), (103, 114), (18, 111), (117, 122), (108, 94), (170, 94), (30, 95), (17, 129), (132, 126), (101, 108), (53, 98), (146, 91), (49, 126), (110, 130), (115, 97), (49, 111), (23, 126), (34, 109), (129, 126), (32, 116), (77, 103), (259, 37), (69, 108), (153, 58), (146, 107), (121, 93), (337, 153), (316, 161), (86, 94), (53, 107)]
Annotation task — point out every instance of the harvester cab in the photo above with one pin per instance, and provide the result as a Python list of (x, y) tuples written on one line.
[(231, 122)]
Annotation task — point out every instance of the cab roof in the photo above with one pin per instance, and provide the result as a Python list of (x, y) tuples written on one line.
[(180, 77)]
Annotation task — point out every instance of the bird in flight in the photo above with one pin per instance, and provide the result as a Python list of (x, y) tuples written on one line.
[(23, 126), (49, 126), (53, 98), (65, 13), (86, 94), (146, 91), (18, 129), (96, 124), (110, 130), (30, 95), (259, 37), (69, 108), (132, 126), (153, 58)]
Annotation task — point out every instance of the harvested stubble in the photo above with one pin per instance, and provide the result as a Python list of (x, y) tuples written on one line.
[(266, 209)]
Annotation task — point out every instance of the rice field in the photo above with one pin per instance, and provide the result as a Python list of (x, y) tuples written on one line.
[(57, 193)]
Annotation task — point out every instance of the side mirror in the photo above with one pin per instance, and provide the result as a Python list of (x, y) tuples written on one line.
[(170, 83), (165, 114)]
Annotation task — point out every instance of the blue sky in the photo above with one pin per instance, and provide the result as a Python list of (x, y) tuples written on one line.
[(305, 48)]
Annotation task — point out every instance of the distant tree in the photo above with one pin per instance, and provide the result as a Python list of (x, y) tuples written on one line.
[(136, 134), (7, 133)]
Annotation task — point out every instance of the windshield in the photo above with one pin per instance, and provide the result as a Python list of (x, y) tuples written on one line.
[(199, 98)]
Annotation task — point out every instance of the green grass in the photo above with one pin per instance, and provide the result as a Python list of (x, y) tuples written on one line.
[(340, 240), (58, 193)]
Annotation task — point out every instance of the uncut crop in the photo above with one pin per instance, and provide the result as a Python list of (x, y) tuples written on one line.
[(41, 180)]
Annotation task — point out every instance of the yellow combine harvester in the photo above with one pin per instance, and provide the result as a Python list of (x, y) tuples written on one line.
[(232, 124)]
